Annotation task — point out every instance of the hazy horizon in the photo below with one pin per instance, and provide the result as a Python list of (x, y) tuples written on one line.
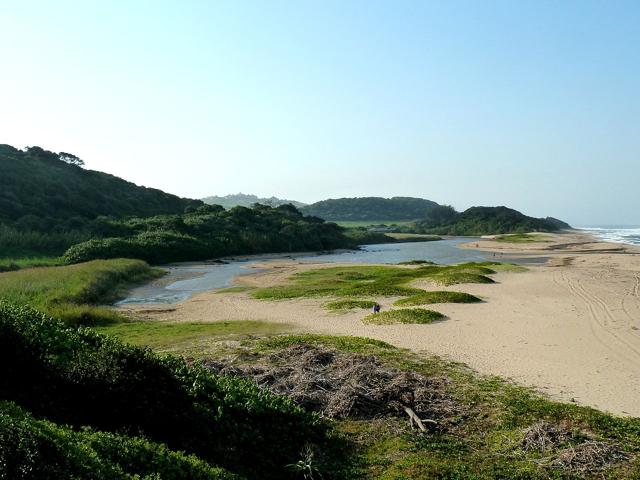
[(532, 105)]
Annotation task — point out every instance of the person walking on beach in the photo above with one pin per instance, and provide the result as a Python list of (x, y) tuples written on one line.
[(376, 308)]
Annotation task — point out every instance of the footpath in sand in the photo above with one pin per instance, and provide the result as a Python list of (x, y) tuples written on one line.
[(570, 328)]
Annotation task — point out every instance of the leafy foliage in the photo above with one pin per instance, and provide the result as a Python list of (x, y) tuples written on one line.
[(81, 378), (31, 448), (210, 232)]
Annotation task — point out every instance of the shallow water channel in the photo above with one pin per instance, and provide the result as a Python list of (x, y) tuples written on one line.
[(184, 279)]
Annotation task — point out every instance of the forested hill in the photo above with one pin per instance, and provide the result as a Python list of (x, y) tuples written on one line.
[(244, 200), (370, 208), (444, 220), (39, 189)]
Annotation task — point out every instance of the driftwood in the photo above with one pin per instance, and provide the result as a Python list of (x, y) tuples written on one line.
[(415, 419)]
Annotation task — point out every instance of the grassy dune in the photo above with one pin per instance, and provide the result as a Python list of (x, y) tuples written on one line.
[(427, 298), (405, 315), (341, 305), (356, 281), (72, 292)]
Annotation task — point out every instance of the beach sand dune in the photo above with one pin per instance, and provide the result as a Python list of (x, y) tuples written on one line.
[(570, 328)]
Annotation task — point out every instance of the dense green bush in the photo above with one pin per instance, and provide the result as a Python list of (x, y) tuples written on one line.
[(80, 378), (39, 449), (211, 232)]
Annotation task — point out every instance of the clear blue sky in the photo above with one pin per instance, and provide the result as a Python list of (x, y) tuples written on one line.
[(534, 105)]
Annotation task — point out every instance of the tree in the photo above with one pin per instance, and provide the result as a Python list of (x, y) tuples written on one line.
[(70, 159)]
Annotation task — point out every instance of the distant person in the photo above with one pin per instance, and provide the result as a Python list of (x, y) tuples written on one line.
[(376, 308)]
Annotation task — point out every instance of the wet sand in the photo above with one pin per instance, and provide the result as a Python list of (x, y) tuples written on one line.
[(570, 328)]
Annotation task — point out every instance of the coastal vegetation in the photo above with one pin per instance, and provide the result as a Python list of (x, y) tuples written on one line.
[(210, 232), (404, 315), (483, 427), (79, 378), (429, 297), (33, 448), (351, 304), (358, 281), (73, 293)]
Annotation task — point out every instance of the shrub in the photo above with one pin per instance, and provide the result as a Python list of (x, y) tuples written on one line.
[(78, 377), (31, 448)]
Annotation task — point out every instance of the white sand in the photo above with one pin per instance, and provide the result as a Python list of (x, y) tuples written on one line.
[(570, 328)]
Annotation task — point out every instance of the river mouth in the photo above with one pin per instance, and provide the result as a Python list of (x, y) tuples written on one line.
[(186, 279)]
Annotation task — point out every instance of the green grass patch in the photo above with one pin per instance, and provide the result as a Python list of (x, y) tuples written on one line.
[(160, 335), (438, 297), (345, 343), (72, 292), (13, 264), (236, 289), (523, 238), (339, 305), (405, 315), (361, 281)]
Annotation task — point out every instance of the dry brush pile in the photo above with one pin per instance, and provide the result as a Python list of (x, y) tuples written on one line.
[(343, 385), (577, 452)]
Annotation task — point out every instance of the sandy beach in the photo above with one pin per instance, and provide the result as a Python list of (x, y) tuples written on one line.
[(570, 328)]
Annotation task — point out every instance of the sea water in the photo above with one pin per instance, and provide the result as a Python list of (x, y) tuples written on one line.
[(615, 233)]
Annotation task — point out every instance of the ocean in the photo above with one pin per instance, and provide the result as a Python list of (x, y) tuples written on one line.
[(615, 234)]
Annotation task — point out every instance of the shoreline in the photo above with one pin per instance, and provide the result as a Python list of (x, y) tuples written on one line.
[(569, 328)]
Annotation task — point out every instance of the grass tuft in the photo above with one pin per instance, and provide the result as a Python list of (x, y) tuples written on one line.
[(339, 305), (405, 315), (438, 297)]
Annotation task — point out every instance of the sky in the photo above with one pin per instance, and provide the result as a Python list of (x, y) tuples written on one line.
[(533, 105)]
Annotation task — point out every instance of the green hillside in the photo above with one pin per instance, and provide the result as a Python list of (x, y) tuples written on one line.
[(42, 190), (370, 208), (485, 221)]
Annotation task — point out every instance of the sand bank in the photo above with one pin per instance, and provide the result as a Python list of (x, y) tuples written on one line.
[(570, 328)]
